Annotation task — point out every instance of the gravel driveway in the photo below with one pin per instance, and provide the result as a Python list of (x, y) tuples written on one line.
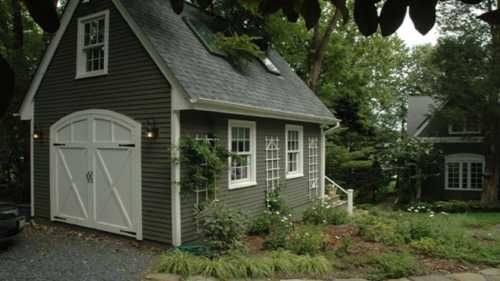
[(57, 252)]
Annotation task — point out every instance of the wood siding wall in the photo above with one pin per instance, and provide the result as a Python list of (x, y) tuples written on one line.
[(249, 199), (134, 87)]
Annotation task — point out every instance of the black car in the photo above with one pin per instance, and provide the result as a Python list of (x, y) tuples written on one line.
[(11, 222)]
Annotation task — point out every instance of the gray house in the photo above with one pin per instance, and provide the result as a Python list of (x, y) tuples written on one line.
[(463, 172), (121, 82)]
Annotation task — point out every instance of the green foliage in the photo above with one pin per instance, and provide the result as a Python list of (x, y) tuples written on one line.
[(280, 229), (203, 163), (239, 49), (275, 203), (452, 206), (307, 240), (222, 228), (242, 267), (323, 213), (396, 265)]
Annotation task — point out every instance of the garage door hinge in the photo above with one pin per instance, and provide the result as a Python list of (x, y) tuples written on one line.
[(59, 144), (59, 218), (128, 232), (126, 145)]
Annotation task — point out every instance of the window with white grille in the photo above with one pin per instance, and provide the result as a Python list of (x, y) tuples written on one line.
[(92, 53), (464, 172), (294, 151), (242, 143), (272, 163), (313, 168)]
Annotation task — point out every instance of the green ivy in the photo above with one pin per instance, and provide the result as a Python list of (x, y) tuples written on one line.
[(202, 163), (239, 49)]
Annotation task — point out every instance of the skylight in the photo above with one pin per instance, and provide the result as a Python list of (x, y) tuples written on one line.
[(207, 37)]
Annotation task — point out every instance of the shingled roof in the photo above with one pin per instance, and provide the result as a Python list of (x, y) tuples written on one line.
[(208, 77)]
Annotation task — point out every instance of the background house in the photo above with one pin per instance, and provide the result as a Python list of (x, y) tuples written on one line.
[(463, 168), (119, 70)]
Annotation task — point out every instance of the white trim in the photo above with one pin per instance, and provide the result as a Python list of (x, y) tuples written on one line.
[(422, 127), (461, 158), (80, 57), (314, 167), (136, 128), (453, 139), (47, 58), (32, 167), (175, 136), (252, 179), (247, 110), (300, 161)]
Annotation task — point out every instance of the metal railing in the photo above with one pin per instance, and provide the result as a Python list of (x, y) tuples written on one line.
[(348, 192)]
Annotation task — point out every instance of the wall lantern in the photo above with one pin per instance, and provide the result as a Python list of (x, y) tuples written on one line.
[(152, 131), (37, 134)]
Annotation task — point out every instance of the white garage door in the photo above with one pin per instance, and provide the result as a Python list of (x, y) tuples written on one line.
[(95, 172)]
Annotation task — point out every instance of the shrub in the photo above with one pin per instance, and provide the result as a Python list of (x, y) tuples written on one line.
[(277, 216), (307, 240), (425, 245), (345, 246), (324, 213), (379, 229), (223, 228), (242, 267), (261, 225), (279, 232), (396, 265), (275, 203), (414, 228), (452, 206)]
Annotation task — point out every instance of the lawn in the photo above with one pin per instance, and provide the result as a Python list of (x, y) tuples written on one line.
[(374, 244)]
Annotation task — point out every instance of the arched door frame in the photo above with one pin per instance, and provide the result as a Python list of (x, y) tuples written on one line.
[(136, 129)]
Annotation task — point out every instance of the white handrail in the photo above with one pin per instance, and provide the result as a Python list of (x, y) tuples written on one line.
[(335, 184), (349, 192)]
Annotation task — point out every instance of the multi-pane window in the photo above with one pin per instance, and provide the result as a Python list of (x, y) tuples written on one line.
[(313, 168), (242, 146), (92, 45), (467, 125), (464, 172), (294, 151), (272, 163)]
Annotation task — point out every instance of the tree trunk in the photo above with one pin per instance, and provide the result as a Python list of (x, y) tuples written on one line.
[(492, 124), (319, 43)]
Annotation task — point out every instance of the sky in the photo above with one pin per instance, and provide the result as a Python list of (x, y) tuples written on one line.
[(412, 37)]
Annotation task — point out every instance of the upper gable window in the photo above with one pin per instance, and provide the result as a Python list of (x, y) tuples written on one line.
[(92, 48), (468, 125)]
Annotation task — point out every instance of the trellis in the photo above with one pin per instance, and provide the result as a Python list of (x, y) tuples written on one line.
[(272, 163), (203, 194), (313, 168)]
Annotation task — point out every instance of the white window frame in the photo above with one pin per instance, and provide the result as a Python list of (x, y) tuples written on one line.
[(252, 178), (300, 160), (462, 158), (80, 54), (464, 131)]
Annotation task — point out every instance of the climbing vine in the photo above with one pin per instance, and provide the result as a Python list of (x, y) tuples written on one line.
[(202, 162)]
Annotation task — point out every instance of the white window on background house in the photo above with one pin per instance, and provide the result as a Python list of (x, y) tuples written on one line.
[(294, 151), (313, 168), (92, 45), (468, 125), (242, 143), (464, 172)]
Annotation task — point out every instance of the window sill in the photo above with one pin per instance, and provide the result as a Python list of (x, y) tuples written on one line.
[(464, 189), (244, 184), (90, 74), (294, 176)]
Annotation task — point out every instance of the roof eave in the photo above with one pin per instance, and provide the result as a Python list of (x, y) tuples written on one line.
[(243, 109)]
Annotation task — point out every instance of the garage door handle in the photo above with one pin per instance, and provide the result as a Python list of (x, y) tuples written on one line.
[(90, 177)]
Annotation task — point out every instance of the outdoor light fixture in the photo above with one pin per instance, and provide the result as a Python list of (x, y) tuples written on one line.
[(37, 134), (152, 131)]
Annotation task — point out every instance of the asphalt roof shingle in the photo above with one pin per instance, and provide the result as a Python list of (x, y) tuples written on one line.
[(206, 76)]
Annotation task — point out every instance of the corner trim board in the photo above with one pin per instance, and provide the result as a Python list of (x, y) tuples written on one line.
[(175, 136)]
